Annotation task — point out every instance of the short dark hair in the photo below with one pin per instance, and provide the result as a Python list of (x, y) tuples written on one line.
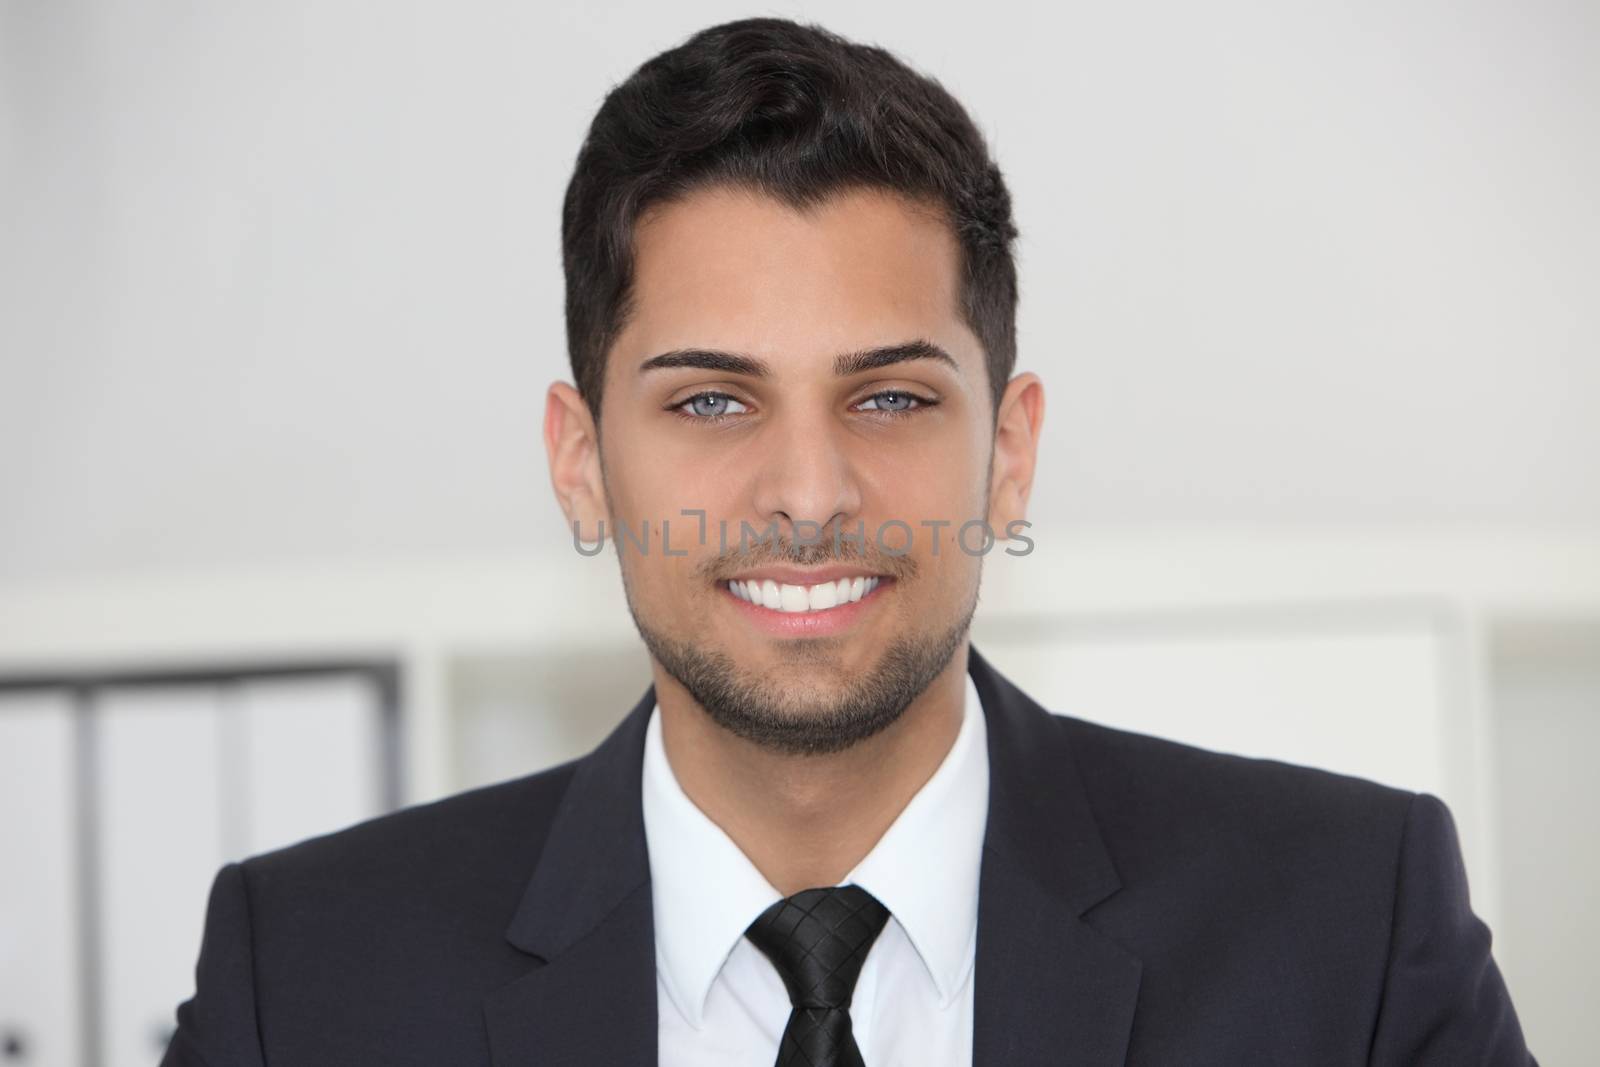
[(799, 114)]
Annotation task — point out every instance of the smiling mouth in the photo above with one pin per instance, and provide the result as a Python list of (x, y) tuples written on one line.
[(804, 599)]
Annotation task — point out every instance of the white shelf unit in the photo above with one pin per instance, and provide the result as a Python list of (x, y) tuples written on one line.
[(125, 791)]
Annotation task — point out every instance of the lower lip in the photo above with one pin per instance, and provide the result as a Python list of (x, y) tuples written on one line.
[(808, 623)]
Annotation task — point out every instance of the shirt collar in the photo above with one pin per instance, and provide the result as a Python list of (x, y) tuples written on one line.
[(704, 890), (924, 869)]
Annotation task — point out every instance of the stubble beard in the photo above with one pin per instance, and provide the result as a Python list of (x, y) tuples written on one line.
[(767, 715)]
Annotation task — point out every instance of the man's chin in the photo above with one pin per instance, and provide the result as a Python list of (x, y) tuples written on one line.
[(818, 665), (784, 709)]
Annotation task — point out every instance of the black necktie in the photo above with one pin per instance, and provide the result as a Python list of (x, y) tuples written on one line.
[(818, 939)]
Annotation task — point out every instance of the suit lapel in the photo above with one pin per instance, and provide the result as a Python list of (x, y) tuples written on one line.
[(1050, 989), (586, 913)]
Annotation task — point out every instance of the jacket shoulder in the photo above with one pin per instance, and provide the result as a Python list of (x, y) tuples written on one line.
[(1159, 766), (1154, 797), (490, 834)]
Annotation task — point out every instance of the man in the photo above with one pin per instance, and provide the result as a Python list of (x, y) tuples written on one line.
[(831, 832)]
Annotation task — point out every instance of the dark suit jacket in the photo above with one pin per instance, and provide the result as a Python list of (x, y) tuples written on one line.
[(1140, 902)]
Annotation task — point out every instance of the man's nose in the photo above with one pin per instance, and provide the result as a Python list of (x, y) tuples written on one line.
[(808, 476)]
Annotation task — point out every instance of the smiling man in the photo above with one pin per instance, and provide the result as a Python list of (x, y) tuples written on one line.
[(831, 833)]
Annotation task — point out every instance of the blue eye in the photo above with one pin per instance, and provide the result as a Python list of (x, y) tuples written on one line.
[(708, 407), (895, 402), (714, 406)]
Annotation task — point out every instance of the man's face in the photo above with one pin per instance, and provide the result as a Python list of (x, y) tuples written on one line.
[(800, 451)]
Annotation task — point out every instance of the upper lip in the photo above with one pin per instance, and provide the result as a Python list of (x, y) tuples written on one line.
[(803, 576)]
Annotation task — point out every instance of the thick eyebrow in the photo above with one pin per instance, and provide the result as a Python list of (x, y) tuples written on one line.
[(872, 358), (844, 365)]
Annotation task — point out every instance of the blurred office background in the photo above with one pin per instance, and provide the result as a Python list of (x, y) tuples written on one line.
[(1312, 288)]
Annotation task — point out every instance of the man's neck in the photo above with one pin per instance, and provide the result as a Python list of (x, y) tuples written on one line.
[(806, 821)]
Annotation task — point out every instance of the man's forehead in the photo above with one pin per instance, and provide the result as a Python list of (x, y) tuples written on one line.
[(734, 268)]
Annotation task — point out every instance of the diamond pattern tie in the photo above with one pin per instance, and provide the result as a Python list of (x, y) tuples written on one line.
[(818, 940)]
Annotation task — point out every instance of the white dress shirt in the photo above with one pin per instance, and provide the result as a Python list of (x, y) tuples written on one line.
[(722, 1003)]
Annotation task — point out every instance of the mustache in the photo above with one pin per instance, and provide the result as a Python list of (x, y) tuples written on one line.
[(786, 552)]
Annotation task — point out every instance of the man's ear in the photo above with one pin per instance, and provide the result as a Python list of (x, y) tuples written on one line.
[(572, 442), (1016, 450)]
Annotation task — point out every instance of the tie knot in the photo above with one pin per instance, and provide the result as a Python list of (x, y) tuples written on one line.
[(818, 940)]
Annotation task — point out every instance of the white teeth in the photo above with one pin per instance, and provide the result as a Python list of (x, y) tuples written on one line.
[(824, 596)]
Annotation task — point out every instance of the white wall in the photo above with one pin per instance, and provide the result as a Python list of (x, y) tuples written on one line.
[(1547, 690), (280, 282)]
